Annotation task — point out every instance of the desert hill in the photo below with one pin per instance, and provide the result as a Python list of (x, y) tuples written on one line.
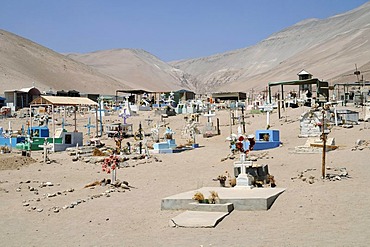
[(140, 68), (326, 48), (23, 62)]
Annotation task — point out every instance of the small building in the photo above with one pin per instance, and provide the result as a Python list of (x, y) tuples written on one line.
[(183, 95), (62, 93), (22, 98), (93, 97), (223, 96), (304, 75), (70, 93)]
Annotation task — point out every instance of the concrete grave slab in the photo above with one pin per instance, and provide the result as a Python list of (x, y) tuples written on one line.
[(206, 207), (243, 199), (197, 219)]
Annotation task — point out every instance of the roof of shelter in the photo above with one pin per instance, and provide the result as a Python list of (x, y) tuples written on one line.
[(23, 90), (303, 72), (295, 82), (133, 91), (60, 100)]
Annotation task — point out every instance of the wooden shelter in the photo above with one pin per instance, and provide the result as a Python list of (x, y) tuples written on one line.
[(322, 88), (66, 101)]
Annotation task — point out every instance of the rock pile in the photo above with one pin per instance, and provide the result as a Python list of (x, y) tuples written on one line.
[(303, 176), (361, 145), (32, 205), (333, 174), (336, 174)]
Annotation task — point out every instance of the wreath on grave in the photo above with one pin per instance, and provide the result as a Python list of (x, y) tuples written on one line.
[(110, 164), (239, 144)]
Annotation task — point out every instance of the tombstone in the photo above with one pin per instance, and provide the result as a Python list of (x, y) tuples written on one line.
[(6, 139), (347, 116), (46, 147), (126, 128), (263, 139), (268, 109), (367, 114), (255, 172), (310, 124), (243, 179), (168, 145), (144, 104), (180, 108), (209, 130), (154, 132)]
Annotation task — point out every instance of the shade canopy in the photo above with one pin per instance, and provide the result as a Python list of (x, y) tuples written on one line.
[(60, 100)]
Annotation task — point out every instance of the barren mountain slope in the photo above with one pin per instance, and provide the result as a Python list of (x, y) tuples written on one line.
[(326, 48), (328, 61), (139, 68), (23, 62)]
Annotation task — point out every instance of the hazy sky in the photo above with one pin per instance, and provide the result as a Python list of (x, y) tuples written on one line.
[(169, 29)]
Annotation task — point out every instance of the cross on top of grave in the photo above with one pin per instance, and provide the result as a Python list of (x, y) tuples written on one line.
[(89, 126), (124, 115)]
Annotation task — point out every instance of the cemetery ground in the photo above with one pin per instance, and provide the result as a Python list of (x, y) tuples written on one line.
[(311, 212)]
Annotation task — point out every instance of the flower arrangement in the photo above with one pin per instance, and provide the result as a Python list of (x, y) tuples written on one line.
[(110, 164)]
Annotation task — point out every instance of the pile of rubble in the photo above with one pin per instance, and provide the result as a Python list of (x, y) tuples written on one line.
[(33, 205), (333, 174), (251, 157), (336, 174), (89, 155), (303, 176), (361, 145)]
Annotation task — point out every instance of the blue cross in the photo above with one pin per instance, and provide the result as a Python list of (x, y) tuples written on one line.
[(89, 126)]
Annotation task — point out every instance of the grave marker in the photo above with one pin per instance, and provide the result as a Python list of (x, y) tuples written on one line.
[(89, 126)]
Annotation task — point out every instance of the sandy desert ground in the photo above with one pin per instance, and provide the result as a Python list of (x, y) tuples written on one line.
[(325, 213)]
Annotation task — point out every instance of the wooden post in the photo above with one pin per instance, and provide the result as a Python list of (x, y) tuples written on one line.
[(52, 118), (75, 118), (218, 126), (282, 95), (114, 175), (231, 127), (323, 138), (140, 136), (243, 122), (278, 105), (96, 121)]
